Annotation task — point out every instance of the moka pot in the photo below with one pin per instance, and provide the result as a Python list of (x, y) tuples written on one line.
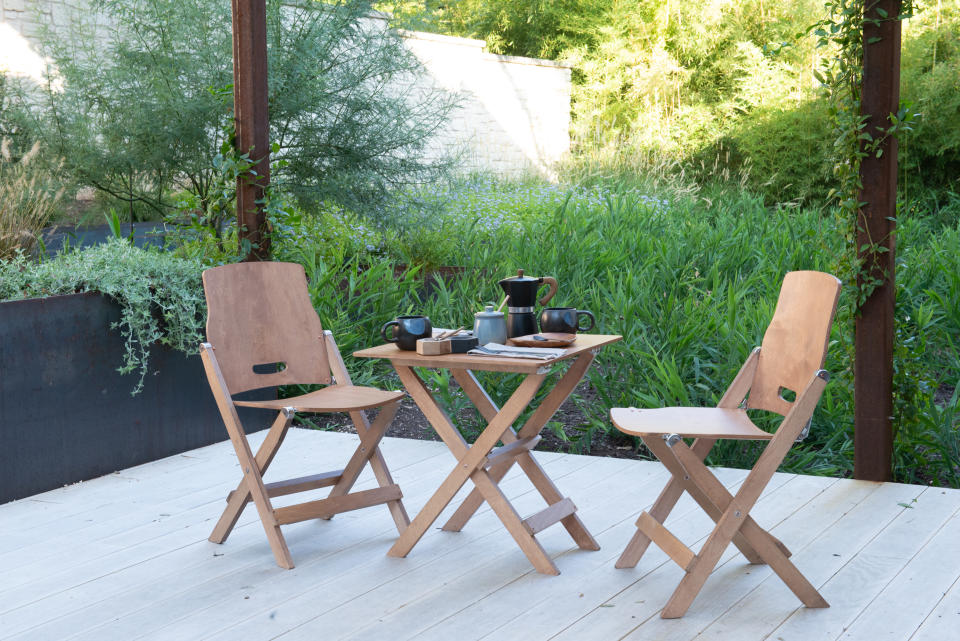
[(521, 301)]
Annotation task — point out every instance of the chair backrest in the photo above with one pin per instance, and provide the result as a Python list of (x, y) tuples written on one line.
[(259, 315), (795, 344)]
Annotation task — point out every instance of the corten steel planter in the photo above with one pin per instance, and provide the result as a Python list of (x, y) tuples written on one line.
[(67, 415)]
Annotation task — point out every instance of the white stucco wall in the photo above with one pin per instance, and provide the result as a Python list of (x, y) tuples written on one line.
[(514, 114)]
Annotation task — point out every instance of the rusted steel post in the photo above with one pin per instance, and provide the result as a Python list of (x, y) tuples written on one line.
[(876, 246), (252, 122)]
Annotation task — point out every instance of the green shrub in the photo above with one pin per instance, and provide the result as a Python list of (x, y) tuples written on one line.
[(689, 280), (787, 150), (716, 89), (930, 81)]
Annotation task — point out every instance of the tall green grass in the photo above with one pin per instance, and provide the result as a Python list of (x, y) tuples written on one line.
[(689, 280)]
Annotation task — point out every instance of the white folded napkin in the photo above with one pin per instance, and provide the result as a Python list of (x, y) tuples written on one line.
[(509, 351)]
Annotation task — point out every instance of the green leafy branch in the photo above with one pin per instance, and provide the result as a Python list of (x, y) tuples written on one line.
[(841, 75)]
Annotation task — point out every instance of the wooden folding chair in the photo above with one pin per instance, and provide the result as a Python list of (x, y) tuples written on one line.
[(789, 361), (262, 331)]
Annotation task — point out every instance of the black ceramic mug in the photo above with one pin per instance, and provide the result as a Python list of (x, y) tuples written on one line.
[(564, 320), (409, 329)]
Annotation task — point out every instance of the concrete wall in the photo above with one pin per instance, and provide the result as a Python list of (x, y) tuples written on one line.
[(514, 116), (515, 112)]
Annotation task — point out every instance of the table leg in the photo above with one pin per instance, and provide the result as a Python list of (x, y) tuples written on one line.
[(501, 506), (470, 460), (488, 409)]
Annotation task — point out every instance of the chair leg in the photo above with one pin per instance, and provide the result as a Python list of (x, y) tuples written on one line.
[(660, 511), (639, 543), (252, 477), (360, 422), (238, 499), (734, 520), (715, 498), (370, 437), (706, 561), (733, 524), (380, 470), (253, 480), (700, 483), (785, 569)]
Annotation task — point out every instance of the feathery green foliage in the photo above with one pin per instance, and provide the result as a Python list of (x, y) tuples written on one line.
[(139, 100), (29, 197)]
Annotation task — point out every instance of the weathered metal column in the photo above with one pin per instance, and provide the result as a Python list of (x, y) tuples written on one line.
[(252, 122), (876, 246)]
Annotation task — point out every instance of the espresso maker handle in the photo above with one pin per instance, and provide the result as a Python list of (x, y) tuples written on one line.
[(552, 282)]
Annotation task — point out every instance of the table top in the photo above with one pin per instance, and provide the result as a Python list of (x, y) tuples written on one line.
[(398, 356)]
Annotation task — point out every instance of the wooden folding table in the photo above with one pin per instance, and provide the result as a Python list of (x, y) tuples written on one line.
[(481, 462)]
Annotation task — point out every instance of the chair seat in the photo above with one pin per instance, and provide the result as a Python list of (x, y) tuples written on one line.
[(335, 398), (694, 422)]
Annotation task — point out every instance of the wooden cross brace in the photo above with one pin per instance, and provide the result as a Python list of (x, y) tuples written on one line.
[(486, 466)]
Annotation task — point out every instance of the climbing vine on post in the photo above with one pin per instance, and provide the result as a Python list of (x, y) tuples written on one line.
[(862, 76), (841, 74)]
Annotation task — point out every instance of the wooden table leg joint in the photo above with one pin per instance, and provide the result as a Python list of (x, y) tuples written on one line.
[(485, 465)]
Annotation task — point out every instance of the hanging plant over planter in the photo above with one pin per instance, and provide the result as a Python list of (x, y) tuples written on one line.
[(159, 294)]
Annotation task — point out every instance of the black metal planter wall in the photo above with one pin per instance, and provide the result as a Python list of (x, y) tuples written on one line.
[(67, 415)]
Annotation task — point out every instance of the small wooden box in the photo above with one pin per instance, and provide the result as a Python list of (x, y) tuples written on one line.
[(433, 347)]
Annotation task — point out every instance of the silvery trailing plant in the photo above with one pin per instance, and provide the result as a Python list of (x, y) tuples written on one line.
[(138, 101)]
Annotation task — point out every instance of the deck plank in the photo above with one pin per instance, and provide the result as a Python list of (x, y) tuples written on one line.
[(131, 541), (148, 581), (126, 556), (402, 606), (944, 621), (861, 569), (521, 600), (793, 523), (272, 598), (440, 556), (848, 520), (915, 591), (246, 562)]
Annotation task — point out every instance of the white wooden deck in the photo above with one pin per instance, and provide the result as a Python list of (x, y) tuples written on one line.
[(126, 557)]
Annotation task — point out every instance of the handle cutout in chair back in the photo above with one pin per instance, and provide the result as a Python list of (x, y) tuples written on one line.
[(260, 315), (794, 346), (787, 395), (269, 368)]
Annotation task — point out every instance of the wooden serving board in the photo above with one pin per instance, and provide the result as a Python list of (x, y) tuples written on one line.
[(553, 339)]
